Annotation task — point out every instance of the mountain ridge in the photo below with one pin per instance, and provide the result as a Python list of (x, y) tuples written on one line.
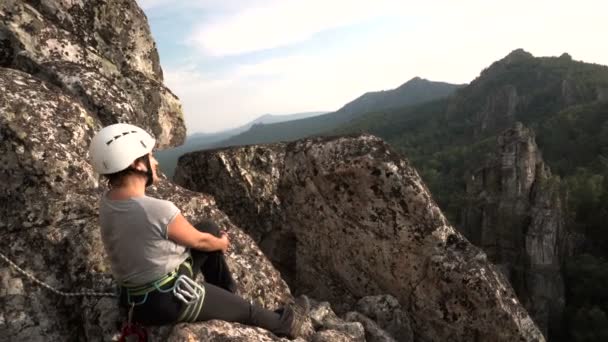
[(200, 141), (416, 90)]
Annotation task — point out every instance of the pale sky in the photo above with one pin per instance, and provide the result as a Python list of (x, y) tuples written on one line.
[(232, 61)]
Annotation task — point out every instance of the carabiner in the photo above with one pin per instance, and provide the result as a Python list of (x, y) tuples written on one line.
[(187, 290)]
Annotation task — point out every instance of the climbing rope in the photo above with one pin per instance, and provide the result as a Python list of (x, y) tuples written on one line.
[(129, 332), (84, 293)]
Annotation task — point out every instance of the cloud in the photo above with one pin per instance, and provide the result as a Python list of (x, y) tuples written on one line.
[(291, 84), (279, 23), (211, 104), (442, 41)]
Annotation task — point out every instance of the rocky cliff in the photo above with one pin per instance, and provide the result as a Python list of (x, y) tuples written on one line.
[(515, 214), (99, 52), (347, 217), (67, 68)]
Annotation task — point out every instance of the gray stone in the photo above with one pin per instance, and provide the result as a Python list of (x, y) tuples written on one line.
[(99, 52), (322, 314), (361, 222), (387, 312), (373, 333), (221, 331), (335, 336)]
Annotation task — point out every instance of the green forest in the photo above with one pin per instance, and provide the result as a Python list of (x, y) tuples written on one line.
[(563, 102)]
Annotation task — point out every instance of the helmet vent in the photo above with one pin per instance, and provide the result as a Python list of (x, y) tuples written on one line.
[(118, 136), (142, 144)]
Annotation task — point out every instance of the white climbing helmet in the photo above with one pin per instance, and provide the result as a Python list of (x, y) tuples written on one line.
[(115, 147)]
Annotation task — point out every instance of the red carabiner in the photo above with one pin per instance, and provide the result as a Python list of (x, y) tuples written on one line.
[(133, 333)]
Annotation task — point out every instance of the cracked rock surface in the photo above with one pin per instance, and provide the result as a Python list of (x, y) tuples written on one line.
[(361, 222), (68, 68)]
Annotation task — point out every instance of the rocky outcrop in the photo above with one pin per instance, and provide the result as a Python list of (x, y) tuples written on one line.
[(383, 318), (49, 220), (66, 69), (362, 223), (98, 52), (515, 215), (389, 315)]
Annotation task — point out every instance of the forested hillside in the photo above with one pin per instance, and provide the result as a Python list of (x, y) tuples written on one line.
[(565, 102)]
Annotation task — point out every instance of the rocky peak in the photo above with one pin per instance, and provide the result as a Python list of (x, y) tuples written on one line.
[(347, 217), (520, 161), (516, 56), (516, 216), (413, 82), (521, 87)]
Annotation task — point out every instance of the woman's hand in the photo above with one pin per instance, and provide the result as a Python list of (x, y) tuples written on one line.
[(225, 242), (183, 233)]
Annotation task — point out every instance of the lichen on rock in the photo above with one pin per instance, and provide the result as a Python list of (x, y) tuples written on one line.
[(362, 223), (66, 69)]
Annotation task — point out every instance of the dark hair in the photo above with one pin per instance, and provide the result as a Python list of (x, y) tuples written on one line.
[(117, 179)]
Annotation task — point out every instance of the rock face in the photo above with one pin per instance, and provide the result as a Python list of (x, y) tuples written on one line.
[(49, 220), (99, 52), (516, 216), (363, 223), (66, 69)]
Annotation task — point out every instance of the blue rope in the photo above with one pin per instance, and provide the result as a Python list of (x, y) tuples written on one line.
[(137, 303)]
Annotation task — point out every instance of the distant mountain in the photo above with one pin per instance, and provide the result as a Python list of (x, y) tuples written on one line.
[(415, 91), (519, 87), (270, 118), (201, 141)]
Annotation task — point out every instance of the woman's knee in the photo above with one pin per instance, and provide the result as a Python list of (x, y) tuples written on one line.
[(208, 226)]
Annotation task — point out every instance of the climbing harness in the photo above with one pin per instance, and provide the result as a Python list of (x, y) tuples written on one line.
[(184, 289), (144, 290)]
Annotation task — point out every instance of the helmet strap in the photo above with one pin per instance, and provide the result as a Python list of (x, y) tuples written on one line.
[(149, 174)]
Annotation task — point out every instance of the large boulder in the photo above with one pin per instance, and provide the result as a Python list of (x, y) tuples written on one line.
[(363, 223), (100, 52), (67, 68), (50, 227)]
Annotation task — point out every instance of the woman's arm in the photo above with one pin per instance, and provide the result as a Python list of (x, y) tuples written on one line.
[(183, 233)]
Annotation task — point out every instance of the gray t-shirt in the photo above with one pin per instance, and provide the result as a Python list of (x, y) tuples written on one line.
[(135, 237)]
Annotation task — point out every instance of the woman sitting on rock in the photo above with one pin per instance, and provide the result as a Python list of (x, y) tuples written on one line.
[(155, 252)]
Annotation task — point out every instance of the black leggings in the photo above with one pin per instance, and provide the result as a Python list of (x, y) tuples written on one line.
[(220, 301)]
